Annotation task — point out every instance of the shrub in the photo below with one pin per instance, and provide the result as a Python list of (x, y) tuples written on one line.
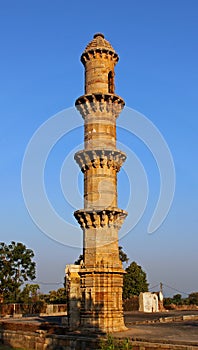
[(115, 344)]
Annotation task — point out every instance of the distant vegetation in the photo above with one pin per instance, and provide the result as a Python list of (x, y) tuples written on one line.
[(177, 300), (55, 296), (16, 269)]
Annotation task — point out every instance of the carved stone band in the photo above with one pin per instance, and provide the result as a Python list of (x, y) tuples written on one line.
[(102, 52), (99, 218), (108, 103), (100, 158)]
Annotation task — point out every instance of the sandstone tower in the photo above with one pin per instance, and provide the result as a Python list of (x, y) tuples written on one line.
[(95, 287)]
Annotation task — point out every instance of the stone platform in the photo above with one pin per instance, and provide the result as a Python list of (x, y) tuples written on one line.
[(173, 330)]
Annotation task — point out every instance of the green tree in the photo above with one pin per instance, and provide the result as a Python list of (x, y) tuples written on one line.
[(122, 255), (135, 281), (55, 296), (61, 296), (16, 267), (167, 302), (29, 293), (177, 299), (193, 298)]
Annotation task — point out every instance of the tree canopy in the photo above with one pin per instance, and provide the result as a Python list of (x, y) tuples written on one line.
[(29, 293), (135, 281), (193, 298), (55, 296), (16, 267), (123, 256)]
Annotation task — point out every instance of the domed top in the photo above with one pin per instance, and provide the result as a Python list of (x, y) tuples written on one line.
[(99, 42)]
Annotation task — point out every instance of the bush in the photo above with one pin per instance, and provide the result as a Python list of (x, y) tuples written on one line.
[(115, 344)]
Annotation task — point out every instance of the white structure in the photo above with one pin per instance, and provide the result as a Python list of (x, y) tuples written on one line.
[(148, 302)]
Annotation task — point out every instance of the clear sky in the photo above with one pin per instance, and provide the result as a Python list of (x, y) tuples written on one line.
[(157, 75)]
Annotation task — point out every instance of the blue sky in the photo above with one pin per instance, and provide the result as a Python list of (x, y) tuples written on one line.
[(157, 75)]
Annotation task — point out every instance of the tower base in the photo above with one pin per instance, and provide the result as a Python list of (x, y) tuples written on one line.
[(97, 305)]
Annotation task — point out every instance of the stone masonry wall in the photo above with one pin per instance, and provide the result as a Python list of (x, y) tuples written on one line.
[(40, 341)]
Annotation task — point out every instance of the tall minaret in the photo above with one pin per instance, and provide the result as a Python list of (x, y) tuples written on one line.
[(101, 274)]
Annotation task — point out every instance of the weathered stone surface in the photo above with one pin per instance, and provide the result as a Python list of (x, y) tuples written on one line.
[(92, 107), (99, 59), (85, 342), (100, 158), (100, 277), (148, 302), (111, 218), (75, 295)]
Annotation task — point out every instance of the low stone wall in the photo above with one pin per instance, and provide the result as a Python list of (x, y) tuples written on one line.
[(19, 310), (178, 318), (43, 341)]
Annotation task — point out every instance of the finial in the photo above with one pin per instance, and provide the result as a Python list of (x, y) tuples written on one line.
[(98, 34)]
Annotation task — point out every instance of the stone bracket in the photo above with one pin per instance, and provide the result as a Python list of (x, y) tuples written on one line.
[(100, 218), (87, 159), (105, 103), (102, 52)]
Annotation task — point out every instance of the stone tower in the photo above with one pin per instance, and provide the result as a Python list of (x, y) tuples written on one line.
[(99, 301)]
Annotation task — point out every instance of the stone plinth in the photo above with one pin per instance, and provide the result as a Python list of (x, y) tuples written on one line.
[(102, 298)]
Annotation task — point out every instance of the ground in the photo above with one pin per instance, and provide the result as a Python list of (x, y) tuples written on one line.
[(175, 327)]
